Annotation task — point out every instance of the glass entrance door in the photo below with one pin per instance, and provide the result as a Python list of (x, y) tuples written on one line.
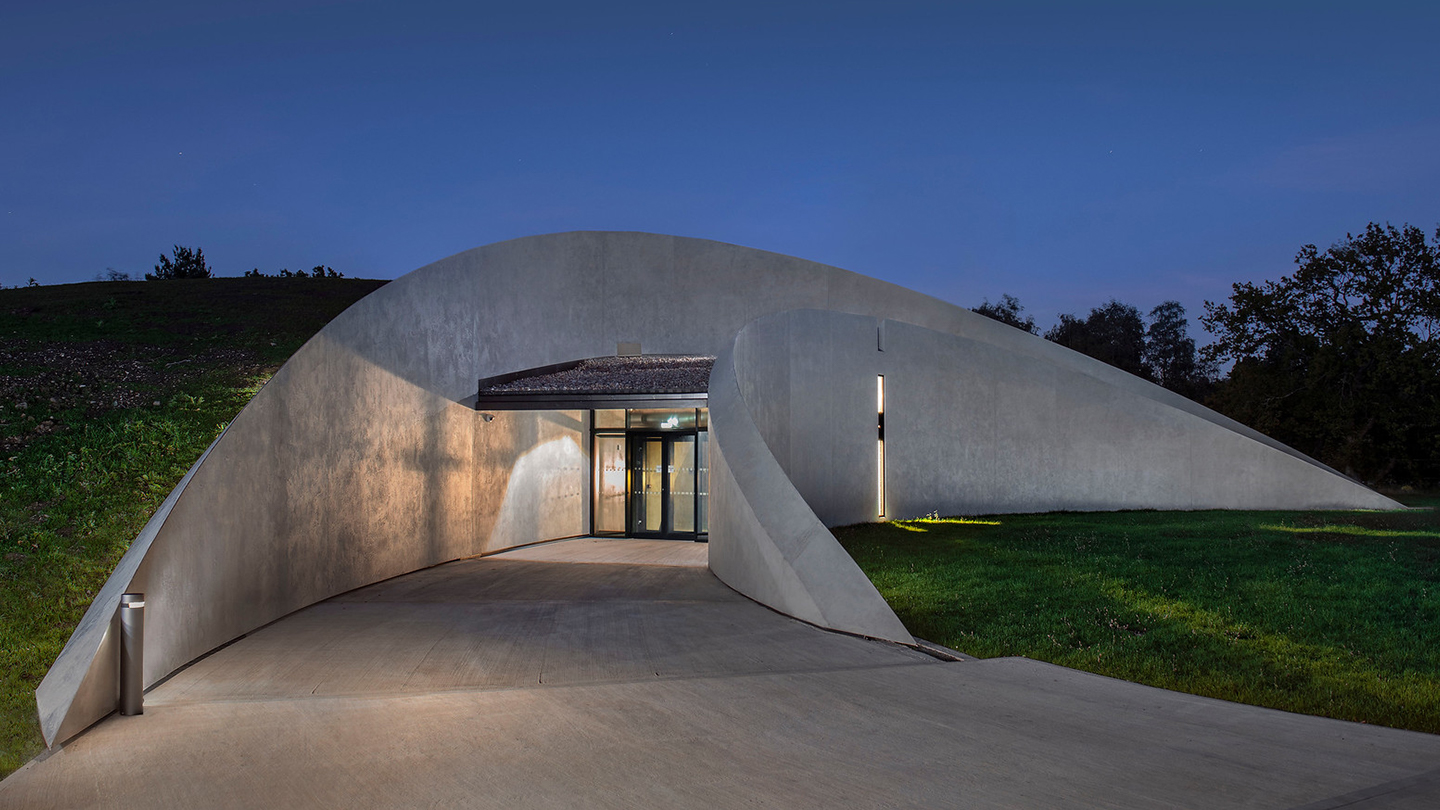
[(663, 484), (681, 483), (647, 484)]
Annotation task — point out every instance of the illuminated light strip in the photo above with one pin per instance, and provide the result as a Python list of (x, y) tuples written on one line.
[(880, 445)]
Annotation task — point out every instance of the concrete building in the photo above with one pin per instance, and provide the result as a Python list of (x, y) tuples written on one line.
[(654, 386)]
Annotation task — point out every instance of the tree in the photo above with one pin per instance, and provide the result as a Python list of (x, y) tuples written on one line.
[(1170, 356), (1008, 311), (1113, 333), (1340, 359), (319, 271), (186, 264)]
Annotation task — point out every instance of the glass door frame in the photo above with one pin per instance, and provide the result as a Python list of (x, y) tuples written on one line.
[(602, 482), (634, 436), (635, 440)]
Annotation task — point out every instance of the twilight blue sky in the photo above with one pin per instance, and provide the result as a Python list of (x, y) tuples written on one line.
[(1062, 152)]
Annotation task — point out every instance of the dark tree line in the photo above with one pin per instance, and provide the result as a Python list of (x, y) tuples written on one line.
[(319, 271), (1008, 311), (190, 263), (1162, 352), (1340, 359)]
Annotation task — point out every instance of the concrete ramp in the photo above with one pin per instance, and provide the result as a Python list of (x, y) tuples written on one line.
[(560, 676)]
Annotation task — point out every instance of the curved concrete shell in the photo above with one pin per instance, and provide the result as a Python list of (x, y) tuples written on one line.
[(361, 459)]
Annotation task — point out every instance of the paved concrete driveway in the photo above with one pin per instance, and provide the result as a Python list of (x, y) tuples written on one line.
[(622, 674)]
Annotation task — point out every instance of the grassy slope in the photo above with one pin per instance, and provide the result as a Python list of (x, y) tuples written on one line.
[(123, 385), (1328, 613)]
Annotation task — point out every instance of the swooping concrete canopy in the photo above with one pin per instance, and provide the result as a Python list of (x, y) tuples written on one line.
[(361, 460)]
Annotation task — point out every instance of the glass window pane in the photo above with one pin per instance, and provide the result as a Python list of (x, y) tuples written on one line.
[(682, 484), (662, 418), (702, 484), (610, 483), (612, 418)]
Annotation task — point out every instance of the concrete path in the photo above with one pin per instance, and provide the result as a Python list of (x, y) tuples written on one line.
[(623, 674)]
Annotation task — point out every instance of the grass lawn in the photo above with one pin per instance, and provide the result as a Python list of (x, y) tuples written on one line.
[(109, 391), (1327, 613)]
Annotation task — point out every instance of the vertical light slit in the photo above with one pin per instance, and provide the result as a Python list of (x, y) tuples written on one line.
[(880, 445)]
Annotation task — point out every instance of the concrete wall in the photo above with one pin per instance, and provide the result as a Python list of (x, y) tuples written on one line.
[(971, 427), (285, 510), (360, 461), (765, 540)]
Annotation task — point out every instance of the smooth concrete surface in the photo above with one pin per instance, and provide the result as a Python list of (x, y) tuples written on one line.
[(767, 542), (972, 428), (361, 461), (527, 680)]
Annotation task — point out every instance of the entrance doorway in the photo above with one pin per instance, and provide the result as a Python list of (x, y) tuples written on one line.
[(651, 478), (662, 484)]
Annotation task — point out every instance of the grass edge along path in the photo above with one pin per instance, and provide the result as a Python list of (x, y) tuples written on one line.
[(84, 468), (1326, 613), (89, 493)]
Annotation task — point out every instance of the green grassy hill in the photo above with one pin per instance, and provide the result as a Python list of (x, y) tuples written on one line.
[(109, 391), (1328, 613)]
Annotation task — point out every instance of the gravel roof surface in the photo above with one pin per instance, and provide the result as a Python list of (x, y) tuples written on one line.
[(644, 374)]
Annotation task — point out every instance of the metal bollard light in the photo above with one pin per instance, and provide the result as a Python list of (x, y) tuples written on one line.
[(132, 653)]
